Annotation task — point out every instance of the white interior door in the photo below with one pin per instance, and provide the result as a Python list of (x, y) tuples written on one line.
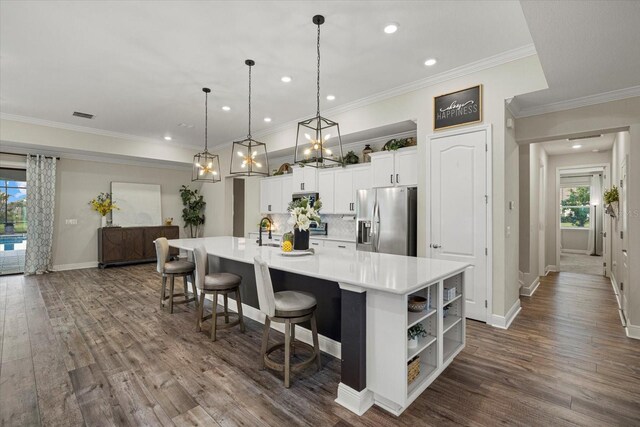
[(459, 211)]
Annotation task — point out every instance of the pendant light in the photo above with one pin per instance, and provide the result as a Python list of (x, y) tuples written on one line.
[(312, 141), (206, 166), (249, 157)]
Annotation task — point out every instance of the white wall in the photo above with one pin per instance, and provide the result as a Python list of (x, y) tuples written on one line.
[(512, 220), (79, 181), (575, 240)]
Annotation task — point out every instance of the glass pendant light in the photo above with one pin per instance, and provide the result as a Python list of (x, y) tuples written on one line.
[(249, 157), (206, 166), (316, 135)]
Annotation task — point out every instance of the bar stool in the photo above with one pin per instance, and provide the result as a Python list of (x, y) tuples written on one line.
[(290, 308), (173, 269), (216, 283)]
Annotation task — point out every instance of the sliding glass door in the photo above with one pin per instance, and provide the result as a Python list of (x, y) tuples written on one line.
[(13, 220)]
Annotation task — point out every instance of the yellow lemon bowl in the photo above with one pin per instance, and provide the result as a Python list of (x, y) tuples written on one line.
[(287, 246)]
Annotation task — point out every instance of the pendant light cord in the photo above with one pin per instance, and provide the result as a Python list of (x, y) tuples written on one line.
[(206, 119), (318, 81), (249, 134)]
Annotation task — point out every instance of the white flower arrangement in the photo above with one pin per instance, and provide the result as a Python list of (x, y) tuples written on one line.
[(302, 213)]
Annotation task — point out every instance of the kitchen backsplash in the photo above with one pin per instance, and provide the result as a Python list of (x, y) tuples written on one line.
[(339, 225)]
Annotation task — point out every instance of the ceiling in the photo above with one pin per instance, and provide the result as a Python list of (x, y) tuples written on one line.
[(586, 49), (140, 66), (564, 146)]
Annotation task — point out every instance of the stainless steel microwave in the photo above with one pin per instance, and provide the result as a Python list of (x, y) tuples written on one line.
[(311, 195)]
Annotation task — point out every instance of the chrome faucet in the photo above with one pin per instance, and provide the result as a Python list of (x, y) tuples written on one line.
[(260, 230)]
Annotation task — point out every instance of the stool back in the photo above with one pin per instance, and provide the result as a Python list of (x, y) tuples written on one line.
[(162, 252), (200, 258), (266, 299)]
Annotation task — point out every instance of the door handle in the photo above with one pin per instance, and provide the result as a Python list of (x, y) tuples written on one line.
[(397, 179), (391, 178), (435, 246)]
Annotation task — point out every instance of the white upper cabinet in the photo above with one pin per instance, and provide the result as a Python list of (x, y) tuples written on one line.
[(395, 168), (347, 183), (287, 191), (325, 189), (305, 179), (271, 195)]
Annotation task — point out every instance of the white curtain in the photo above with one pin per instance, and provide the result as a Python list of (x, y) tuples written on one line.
[(41, 191), (595, 222)]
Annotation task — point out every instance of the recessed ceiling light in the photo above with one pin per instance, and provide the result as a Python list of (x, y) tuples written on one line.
[(226, 108), (285, 79), (576, 146), (391, 28), (330, 97), (267, 119), (595, 150), (167, 138), (185, 125), (430, 62)]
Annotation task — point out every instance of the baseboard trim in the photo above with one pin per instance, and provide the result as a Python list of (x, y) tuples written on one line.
[(575, 251), (633, 331), (503, 322), (550, 268), (528, 291), (327, 345), (77, 266), (357, 402)]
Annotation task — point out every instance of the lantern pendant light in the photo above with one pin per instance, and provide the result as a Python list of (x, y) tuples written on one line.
[(312, 141), (206, 166), (249, 157)]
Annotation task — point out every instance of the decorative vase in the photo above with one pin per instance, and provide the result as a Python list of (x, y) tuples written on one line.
[(366, 158), (300, 240), (413, 343), (103, 221)]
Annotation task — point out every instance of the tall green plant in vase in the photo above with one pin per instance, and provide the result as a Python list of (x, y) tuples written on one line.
[(192, 213)]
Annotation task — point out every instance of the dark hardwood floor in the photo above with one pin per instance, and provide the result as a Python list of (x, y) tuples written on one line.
[(92, 347)]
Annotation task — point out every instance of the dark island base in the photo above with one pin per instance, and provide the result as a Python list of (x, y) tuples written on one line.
[(328, 294)]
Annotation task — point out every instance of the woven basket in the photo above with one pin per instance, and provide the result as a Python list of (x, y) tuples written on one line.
[(413, 370)]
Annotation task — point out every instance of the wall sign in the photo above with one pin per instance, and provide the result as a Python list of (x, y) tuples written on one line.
[(457, 108)]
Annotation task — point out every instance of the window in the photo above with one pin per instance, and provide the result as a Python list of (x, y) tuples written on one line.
[(13, 202), (575, 210)]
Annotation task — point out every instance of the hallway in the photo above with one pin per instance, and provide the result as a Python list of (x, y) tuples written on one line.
[(91, 347), (581, 264)]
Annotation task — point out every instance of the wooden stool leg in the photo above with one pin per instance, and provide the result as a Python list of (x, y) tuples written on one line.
[(287, 351), (316, 345), (293, 339), (240, 316), (195, 290), (226, 308), (200, 311), (164, 287), (214, 317), (171, 285), (186, 289), (265, 341)]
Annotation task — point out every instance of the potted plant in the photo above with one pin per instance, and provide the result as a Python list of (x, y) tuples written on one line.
[(302, 213), (415, 332), (192, 213), (612, 200), (103, 204)]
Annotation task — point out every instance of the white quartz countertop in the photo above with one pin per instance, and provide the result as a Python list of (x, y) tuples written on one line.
[(375, 271), (312, 237)]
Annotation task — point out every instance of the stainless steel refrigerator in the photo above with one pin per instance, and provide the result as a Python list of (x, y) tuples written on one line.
[(386, 220)]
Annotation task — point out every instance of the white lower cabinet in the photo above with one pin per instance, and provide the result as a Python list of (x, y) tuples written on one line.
[(392, 359), (336, 244), (315, 243)]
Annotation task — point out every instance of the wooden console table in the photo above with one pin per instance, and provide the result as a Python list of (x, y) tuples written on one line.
[(130, 245)]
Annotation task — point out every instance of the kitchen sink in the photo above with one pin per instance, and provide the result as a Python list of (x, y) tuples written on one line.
[(272, 245)]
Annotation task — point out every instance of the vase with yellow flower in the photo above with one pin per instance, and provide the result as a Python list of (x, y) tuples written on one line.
[(103, 204)]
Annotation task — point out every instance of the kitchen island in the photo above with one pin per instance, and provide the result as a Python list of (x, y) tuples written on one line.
[(362, 304)]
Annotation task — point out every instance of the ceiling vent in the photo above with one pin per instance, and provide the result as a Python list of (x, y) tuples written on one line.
[(83, 115)]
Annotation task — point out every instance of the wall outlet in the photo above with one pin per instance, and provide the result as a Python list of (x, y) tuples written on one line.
[(71, 221)]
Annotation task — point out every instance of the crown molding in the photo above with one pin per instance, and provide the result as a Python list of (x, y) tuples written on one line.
[(464, 70), (585, 101), (93, 131)]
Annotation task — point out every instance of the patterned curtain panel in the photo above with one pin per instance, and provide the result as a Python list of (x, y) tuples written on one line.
[(41, 191)]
